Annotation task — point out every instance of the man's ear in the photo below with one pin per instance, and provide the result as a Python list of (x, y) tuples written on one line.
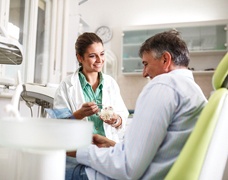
[(167, 60)]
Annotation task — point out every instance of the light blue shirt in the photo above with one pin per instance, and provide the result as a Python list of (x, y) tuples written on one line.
[(165, 114)]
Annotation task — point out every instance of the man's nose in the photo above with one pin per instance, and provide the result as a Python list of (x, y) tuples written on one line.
[(144, 73)]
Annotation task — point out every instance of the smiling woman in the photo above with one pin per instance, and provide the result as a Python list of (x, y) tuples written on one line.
[(93, 59), (91, 88)]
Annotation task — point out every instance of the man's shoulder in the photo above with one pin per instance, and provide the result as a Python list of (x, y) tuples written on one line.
[(170, 80), (164, 78), (174, 75)]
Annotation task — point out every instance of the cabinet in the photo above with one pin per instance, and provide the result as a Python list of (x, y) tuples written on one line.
[(207, 43)]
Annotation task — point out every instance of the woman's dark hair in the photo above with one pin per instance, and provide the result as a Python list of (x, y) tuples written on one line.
[(168, 41), (84, 41)]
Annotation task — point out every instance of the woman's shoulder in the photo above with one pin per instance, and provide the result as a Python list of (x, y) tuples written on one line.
[(108, 78), (69, 80)]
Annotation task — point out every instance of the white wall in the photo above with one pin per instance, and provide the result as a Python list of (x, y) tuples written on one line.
[(123, 13), (120, 13)]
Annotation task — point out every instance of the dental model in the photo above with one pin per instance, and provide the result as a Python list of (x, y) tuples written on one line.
[(106, 113)]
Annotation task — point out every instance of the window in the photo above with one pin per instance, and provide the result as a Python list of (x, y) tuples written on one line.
[(41, 55), (43, 29)]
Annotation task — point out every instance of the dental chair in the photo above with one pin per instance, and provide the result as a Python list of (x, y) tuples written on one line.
[(204, 156)]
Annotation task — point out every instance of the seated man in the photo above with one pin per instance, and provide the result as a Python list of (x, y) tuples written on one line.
[(165, 114)]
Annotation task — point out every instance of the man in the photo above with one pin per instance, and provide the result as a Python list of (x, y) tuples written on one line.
[(165, 114)]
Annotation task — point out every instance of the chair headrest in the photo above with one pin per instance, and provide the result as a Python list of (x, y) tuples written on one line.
[(220, 76)]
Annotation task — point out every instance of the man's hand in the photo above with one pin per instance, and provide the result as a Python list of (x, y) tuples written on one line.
[(71, 153), (101, 141)]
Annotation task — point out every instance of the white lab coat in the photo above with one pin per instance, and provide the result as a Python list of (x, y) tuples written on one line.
[(70, 95)]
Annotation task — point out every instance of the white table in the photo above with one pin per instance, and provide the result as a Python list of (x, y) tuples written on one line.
[(35, 148)]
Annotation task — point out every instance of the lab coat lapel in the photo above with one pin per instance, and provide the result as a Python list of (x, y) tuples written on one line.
[(106, 95), (75, 91)]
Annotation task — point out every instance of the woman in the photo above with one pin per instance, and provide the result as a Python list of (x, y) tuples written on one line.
[(88, 90)]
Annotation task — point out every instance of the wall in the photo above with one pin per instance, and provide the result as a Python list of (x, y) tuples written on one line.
[(119, 14)]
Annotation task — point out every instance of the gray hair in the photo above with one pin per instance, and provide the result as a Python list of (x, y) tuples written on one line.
[(168, 41)]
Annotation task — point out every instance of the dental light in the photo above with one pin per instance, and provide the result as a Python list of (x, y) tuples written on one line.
[(10, 49)]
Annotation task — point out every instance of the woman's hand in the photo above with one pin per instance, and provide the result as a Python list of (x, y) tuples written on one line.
[(87, 109), (115, 121), (102, 141)]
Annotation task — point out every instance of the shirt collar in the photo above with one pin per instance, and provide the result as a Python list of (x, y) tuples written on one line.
[(183, 72), (84, 82)]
